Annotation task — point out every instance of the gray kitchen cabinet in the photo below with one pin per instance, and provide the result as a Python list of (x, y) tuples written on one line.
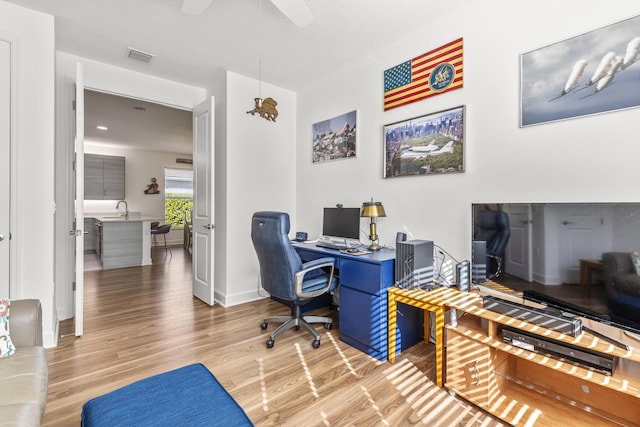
[(103, 177)]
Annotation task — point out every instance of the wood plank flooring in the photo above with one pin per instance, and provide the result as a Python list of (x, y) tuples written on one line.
[(143, 321)]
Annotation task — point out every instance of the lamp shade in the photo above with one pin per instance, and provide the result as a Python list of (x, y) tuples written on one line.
[(372, 210)]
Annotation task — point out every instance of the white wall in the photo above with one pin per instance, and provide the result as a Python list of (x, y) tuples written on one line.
[(140, 167), (585, 159), (259, 158), (31, 35)]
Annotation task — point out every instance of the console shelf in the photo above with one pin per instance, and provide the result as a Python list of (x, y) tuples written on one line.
[(527, 388), (522, 387)]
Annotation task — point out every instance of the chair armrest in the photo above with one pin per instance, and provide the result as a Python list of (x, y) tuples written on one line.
[(307, 267), (628, 285), (615, 264), (25, 322), (318, 263)]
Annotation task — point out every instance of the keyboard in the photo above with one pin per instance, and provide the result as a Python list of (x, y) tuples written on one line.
[(331, 245)]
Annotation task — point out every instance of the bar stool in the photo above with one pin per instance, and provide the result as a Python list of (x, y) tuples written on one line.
[(161, 229)]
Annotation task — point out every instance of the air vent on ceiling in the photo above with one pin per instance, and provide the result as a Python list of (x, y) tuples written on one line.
[(185, 161), (139, 55)]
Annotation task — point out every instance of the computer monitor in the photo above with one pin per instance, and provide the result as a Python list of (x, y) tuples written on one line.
[(341, 222)]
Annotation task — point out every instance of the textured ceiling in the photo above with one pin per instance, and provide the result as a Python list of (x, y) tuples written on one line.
[(229, 35)]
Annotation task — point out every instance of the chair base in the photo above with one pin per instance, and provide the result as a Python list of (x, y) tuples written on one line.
[(296, 320)]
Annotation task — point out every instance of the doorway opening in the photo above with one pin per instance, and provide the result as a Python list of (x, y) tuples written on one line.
[(151, 138)]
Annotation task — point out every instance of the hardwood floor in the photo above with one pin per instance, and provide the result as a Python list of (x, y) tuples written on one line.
[(143, 321)]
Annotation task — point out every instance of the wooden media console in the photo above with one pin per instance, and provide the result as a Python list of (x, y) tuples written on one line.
[(523, 387)]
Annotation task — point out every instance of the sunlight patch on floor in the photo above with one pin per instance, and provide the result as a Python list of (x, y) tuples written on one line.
[(432, 405), (374, 405), (263, 385), (307, 372), (341, 353)]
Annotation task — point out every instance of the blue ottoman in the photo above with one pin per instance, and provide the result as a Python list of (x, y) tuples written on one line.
[(189, 396)]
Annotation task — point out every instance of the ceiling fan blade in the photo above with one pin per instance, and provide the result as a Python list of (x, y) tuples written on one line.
[(195, 7), (296, 10)]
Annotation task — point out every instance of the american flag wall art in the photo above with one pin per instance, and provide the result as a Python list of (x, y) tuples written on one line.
[(433, 73)]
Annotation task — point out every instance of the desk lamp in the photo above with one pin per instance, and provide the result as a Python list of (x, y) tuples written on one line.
[(372, 210)]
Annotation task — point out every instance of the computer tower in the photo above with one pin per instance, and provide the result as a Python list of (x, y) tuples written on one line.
[(414, 264), (478, 261)]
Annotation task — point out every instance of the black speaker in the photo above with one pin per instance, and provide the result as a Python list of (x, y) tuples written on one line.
[(478, 261), (401, 237), (414, 264)]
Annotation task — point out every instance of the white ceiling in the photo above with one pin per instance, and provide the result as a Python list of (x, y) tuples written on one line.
[(135, 124), (230, 35)]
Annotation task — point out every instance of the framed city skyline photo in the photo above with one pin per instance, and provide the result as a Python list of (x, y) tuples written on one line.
[(592, 73), (334, 138), (425, 145)]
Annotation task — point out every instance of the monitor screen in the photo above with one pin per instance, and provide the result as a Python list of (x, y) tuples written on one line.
[(341, 222)]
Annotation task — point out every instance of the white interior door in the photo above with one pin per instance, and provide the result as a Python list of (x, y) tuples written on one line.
[(5, 166), (518, 254), (78, 228), (203, 202)]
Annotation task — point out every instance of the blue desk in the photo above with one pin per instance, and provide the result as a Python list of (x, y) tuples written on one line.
[(363, 281)]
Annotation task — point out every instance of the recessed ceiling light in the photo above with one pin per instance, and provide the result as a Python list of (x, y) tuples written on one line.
[(102, 127)]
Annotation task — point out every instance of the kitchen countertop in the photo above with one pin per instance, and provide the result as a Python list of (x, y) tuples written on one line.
[(121, 218)]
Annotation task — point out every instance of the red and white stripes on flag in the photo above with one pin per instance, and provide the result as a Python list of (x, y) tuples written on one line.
[(411, 81)]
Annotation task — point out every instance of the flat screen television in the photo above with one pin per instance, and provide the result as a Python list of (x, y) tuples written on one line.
[(548, 243), (342, 223)]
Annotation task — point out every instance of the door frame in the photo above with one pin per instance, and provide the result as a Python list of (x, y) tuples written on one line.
[(15, 290), (78, 217), (107, 79)]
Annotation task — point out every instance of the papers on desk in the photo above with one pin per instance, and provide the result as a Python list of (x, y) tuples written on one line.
[(358, 252)]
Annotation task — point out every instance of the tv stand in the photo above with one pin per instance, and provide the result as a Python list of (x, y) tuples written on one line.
[(525, 388), (632, 335)]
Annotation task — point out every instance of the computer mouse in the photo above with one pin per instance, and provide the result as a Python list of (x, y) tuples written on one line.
[(352, 250)]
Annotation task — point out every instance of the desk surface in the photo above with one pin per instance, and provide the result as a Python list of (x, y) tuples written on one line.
[(383, 254)]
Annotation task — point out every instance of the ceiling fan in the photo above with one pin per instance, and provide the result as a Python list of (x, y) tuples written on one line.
[(296, 10)]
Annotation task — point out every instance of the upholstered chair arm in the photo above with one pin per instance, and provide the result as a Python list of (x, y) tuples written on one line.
[(315, 286), (25, 322)]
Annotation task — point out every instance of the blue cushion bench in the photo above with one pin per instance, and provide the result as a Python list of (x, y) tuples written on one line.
[(189, 396)]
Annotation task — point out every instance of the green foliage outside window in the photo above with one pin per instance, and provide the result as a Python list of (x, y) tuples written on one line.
[(175, 205)]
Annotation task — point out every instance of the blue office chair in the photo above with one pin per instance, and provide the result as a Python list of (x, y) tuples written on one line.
[(286, 278), (493, 228)]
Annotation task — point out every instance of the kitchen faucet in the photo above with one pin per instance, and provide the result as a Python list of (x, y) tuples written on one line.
[(126, 208)]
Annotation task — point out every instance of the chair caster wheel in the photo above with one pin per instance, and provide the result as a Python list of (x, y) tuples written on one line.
[(316, 344), (328, 325), (263, 326), (270, 343)]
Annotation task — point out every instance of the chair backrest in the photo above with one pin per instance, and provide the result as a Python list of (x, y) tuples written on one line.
[(163, 229), (154, 225), (493, 228), (186, 217), (278, 260)]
